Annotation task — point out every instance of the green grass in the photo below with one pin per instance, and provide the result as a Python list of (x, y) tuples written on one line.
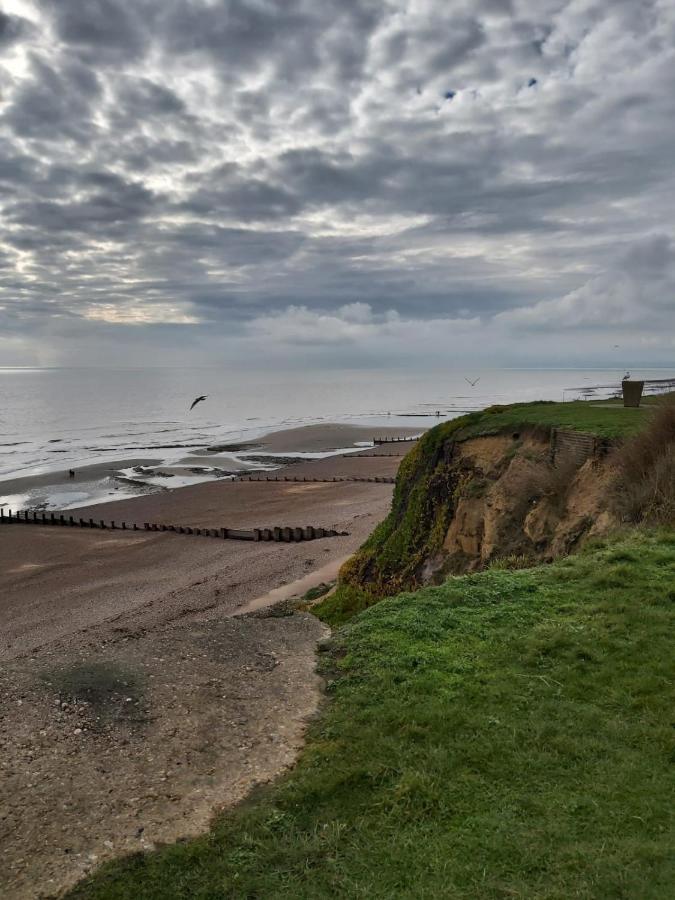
[(603, 419), (508, 734)]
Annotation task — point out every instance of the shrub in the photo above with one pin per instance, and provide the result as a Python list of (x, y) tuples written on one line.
[(646, 467)]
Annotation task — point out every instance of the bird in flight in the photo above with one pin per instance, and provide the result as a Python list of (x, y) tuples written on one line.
[(472, 383), (198, 400)]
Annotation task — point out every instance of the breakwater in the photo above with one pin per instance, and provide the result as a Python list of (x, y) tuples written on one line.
[(278, 533)]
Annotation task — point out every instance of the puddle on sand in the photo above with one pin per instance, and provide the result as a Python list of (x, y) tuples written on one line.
[(295, 588)]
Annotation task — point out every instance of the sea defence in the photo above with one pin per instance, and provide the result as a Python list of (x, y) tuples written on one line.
[(280, 534)]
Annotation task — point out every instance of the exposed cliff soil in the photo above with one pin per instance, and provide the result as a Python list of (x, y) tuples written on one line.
[(513, 501), (463, 501)]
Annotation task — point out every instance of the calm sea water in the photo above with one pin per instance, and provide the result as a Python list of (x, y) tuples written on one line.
[(55, 419), (51, 419)]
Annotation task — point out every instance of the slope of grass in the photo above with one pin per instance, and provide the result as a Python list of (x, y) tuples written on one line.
[(508, 734)]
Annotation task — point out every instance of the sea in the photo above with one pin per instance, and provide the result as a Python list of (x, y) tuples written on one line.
[(53, 419)]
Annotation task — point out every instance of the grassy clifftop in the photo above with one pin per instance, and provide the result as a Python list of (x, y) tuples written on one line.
[(426, 492), (506, 734)]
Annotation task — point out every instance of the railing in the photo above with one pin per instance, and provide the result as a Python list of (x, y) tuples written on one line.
[(277, 533)]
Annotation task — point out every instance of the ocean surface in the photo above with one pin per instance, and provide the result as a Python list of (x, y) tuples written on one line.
[(53, 419)]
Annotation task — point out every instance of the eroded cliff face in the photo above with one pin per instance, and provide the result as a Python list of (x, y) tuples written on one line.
[(461, 504), (514, 500)]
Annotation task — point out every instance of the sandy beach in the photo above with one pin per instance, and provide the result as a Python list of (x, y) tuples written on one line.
[(205, 728)]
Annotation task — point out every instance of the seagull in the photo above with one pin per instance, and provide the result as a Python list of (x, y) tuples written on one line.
[(198, 400), (626, 377), (472, 383)]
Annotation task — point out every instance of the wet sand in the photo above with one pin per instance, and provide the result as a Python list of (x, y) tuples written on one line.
[(99, 483)]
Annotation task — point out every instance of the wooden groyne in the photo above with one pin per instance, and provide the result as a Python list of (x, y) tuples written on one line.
[(372, 455), (396, 440), (277, 533), (298, 479)]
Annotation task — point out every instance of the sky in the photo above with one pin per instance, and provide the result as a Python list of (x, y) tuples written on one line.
[(357, 184)]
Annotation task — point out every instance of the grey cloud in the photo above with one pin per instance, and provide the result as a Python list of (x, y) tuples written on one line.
[(234, 158), (55, 103), (12, 29), (103, 31)]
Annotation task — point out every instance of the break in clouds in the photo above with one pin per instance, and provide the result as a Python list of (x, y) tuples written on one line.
[(334, 183)]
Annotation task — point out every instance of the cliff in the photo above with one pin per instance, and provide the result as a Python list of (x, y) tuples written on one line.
[(510, 486)]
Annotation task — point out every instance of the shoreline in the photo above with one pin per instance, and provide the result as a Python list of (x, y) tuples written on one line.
[(113, 481)]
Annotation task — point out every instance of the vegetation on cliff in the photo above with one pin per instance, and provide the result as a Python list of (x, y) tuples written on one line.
[(430, 484), (506, 734)]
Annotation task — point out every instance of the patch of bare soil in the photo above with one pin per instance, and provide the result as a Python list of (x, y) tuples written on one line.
[(123, 743)]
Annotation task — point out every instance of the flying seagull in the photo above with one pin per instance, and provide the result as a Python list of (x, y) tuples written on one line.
[(472, 383), (198, 400)]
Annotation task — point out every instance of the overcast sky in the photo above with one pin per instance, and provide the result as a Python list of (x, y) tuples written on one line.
[(348, 183)]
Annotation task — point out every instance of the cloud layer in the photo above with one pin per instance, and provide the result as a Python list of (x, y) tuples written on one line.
[(362, 181)]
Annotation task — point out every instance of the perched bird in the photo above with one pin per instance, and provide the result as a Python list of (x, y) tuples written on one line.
[(198, 400), (472, 383), (626, 377)]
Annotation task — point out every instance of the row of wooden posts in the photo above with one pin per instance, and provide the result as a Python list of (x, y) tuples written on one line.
[(380, 479), (395, 440), (277, 533)]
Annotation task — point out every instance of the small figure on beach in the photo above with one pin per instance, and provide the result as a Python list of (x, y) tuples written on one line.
[(198, 400), (71, 473)]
